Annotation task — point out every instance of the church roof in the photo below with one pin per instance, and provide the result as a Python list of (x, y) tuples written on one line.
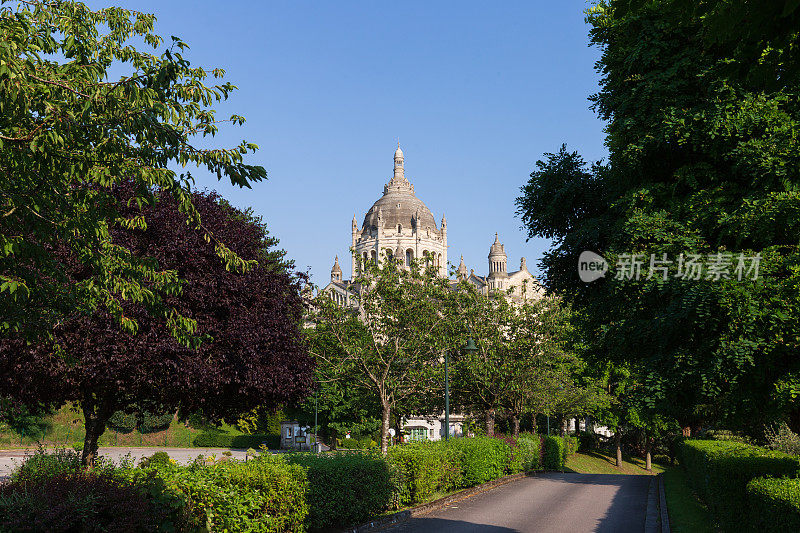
[(399, 205)]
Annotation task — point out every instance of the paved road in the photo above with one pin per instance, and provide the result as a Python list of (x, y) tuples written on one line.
[(545, 503), (9, 459)]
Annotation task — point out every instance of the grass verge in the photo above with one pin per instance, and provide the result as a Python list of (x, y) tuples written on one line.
[(603, 463), (686, 513)]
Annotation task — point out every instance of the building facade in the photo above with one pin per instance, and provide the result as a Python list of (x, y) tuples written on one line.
[(399, 226)]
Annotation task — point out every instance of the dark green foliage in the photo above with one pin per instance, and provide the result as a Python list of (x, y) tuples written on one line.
[(82, 502), (588, 441), (774, 504), (158, 458), (701, 105), (344, 489), (218, 439), (144, 421), (719, 471), (123, 422), (554, 454)]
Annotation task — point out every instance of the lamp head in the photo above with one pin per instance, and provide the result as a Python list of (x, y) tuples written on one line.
[(470, 346)]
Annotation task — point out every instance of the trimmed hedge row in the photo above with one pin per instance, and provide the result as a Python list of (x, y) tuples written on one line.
[(270, 493), (344, 488), (211, 439), (774, 504), (720, 472)]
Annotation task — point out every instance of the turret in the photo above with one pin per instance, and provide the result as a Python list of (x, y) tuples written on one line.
[(399, 170), (336, 271), (498, 272), (461, 272)]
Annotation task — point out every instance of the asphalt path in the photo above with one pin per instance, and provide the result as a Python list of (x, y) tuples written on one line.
[(545, 503)]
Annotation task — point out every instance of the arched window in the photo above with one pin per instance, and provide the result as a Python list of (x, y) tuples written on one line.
[(372, 255), (399, 228), (409, 257)]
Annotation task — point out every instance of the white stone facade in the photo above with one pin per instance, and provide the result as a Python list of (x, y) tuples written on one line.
[(400, 225)]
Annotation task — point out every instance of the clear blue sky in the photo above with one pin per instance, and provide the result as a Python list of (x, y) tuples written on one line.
[(475, 91)]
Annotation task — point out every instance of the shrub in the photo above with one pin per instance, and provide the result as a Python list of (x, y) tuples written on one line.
[(588, 440), (349, 444), (570, 445), (80, 502), (783, 439), (483, 459), (263, 494), (421, 469), (720, 470), (526, 454), (44, 465), (217, 439), (774, 504), (554, 454), (158, 458), (344, 488)]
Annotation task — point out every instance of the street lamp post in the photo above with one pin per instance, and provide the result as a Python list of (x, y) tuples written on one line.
[(316, 427), (470, 347)]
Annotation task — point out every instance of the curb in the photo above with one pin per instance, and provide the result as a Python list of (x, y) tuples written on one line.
[(651, 516), (663, 505), (429, 507)]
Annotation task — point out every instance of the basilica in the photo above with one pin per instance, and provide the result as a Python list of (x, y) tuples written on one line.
[(399, 226)]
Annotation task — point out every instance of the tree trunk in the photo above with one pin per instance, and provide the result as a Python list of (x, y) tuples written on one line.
[(618, 446), (515, 425), (561, 424), (577, 426), (490, 422), (648, 444), (535, 429), (95, 418), (386, 413)]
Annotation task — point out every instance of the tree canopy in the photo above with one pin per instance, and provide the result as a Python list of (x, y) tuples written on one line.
[(253, 353), (71, 129), (701, 104), (391, 345)]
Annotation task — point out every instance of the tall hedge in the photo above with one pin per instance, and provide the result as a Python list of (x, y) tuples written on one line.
[(265, 494), (720, 470), (422, 469), (554, 454), (344, 488), (774, 504), (483, 459), (526, 453)]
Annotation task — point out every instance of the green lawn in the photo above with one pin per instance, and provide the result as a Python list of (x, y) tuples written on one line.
[(604, 463), (686, 512)]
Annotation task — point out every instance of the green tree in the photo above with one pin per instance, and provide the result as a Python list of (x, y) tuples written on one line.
[(703, 120), (391, 345), (70, 134)]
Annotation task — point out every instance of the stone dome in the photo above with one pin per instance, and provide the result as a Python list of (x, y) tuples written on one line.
[(398, 206)]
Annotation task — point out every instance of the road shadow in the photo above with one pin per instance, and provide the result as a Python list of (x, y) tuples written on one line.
[(628, 507), (442, 525)]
